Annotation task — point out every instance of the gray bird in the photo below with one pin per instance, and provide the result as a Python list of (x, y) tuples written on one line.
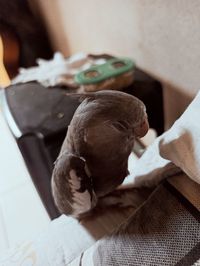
[(93, 160)]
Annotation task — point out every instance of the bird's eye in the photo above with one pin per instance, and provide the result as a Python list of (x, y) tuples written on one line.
[(120, 125)]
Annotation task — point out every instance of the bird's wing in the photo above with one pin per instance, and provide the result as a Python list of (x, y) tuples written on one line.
[(71, 186), (81, 198)]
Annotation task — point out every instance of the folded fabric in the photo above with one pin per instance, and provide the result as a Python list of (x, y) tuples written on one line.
[(178, 149)]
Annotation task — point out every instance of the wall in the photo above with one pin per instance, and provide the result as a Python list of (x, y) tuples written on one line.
[(162, 36)]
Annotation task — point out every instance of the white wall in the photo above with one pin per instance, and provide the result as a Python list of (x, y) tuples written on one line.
[(162, 35)]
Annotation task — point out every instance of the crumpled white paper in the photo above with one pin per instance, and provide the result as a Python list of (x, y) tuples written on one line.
[(59, 71)]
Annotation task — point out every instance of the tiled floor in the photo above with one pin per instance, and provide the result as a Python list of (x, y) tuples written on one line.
[(22, 215)]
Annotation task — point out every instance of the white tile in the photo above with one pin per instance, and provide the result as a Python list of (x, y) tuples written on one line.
[(3, 233), (12, 167), (23, 213)]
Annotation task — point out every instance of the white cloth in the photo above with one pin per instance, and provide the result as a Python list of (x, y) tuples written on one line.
[(57, 71), (177, 149)]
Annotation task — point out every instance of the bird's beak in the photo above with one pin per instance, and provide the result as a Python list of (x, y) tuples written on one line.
[(142, 129)]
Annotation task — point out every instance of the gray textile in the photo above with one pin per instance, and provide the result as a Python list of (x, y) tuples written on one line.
[(164, 231)]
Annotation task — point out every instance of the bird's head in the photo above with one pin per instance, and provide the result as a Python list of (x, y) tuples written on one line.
[(130, 109), (127, 109)]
